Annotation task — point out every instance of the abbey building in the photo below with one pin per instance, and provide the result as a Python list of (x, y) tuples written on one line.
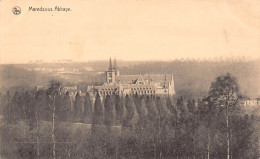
[(147, 84)]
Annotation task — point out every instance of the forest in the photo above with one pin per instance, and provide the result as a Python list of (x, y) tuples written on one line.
[(49, 124)]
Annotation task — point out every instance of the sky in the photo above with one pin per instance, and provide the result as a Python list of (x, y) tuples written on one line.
[(129, 30)]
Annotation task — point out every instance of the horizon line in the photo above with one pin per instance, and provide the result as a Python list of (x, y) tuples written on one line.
[(203, 59)]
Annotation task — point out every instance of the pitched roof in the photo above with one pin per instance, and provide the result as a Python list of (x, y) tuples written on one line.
[(153, 77), (70, 89), (106, 87)]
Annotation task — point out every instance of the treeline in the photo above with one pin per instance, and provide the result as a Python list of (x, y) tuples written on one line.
[(43, 125)]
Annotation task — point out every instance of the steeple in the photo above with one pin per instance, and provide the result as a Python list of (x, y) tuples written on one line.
[(171, 86), (110, 74), (115, 65), (116, 68), (110, 65), (172, 79)]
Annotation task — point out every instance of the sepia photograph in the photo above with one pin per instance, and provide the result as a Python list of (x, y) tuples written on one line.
[(132, 79)]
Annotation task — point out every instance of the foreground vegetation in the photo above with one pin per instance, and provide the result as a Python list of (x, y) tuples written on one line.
[(48, 124)]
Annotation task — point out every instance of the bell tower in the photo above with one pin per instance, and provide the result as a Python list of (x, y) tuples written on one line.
[(171, 86), (116, 68), (110, 73)]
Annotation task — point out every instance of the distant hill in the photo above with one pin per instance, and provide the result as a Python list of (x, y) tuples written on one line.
[(192, 78)]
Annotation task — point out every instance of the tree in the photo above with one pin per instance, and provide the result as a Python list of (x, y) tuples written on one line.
[(98, 133), (16, 109), (64, 111), (193, 122), (141, 110), (128, 140), (191, 106), (39, 103), (109, 120), (207, 117), (109, 111), (163, 118), (87, 115), (6, 105), (169, 104), (174, 128), (98, 112), (152, 109), (53, 93), (183, 108), (182, 128), (1, 106), (28, 108), (131, 113), (224, 92), (120, 109), (78, 105), (152, 122), (142, 123)]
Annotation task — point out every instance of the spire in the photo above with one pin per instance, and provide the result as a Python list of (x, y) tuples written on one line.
[(172, 79), (115, 65), (116, 68), (165, 80), (110, 65)]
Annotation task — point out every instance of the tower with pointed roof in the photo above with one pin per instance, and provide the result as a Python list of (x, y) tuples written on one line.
[(110, 73), (171, 86), (110, 67), (116, 68), (146, 84)]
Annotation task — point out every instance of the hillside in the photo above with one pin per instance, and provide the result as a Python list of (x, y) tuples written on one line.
[(192, 78)]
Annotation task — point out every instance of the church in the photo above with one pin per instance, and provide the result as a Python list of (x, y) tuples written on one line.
[(147, 84)]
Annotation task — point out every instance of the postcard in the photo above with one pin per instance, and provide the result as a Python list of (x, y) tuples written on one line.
[(128, 79)]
